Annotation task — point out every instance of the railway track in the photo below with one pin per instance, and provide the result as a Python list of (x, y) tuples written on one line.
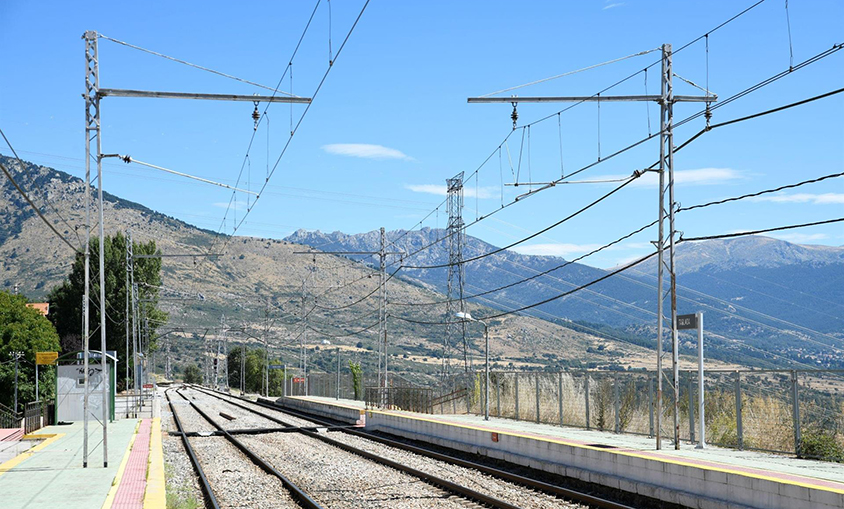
[(329, 470), (513, 487), (241, 478)]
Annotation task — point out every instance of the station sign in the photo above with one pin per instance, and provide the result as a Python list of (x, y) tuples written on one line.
[(686, 322), (46, 358), (276, 366), (298, 380), (147, 386)]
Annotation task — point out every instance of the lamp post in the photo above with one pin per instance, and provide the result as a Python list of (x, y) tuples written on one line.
[(469, 318)]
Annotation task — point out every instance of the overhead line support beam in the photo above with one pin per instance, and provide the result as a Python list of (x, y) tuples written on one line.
[(119, 92), (591, 98)]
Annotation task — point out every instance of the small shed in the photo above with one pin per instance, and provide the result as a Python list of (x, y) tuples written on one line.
[(70, 385)]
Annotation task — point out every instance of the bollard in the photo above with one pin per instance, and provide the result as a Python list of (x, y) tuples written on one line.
[(691, 410), (516, 388), (537, 398), (586, 390), (650, 407), (739, 430), (560, 395), (616, 404)]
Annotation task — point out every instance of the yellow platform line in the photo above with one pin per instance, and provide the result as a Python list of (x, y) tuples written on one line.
[(155, 496), (17, 460), (119, 475), (725, 470)]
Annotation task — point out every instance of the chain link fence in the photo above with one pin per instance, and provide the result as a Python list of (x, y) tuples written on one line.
[(744, 409)]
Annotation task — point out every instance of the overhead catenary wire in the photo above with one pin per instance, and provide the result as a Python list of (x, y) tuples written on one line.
[(35, 207), (218, 73), (20, 191)]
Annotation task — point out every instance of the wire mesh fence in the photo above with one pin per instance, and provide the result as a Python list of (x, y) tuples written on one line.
[(745, 409)]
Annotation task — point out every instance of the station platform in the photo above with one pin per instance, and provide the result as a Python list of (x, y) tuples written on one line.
[(49, 474), (711, 478)]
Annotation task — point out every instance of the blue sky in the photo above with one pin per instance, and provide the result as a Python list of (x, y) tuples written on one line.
[(392, 123)]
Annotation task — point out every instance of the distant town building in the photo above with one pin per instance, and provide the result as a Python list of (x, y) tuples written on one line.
[(44, 307)]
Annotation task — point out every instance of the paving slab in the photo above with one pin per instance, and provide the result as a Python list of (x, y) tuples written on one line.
[(52, 475)]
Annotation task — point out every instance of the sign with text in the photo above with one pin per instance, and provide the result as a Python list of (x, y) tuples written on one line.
[(46, 357), (147, 386), (685, 322), (298, 380), (276, 366)]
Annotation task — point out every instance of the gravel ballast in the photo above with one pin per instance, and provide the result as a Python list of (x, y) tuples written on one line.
[(235, 480), (478, 481), (339, 479), (182, 482)]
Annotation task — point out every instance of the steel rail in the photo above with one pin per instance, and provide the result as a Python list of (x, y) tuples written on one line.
[(439, 482), (210, 499), (508, 476), (303, 498)]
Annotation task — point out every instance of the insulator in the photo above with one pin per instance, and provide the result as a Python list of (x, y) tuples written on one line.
[(256, 116), (514, 115)]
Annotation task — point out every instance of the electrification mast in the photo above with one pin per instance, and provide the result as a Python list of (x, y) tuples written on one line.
[(666, 100)]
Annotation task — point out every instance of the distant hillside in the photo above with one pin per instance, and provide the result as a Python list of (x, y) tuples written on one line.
[(767, 302), (256, 270)]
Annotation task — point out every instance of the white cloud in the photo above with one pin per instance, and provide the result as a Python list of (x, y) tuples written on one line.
[(814, 199), (557, 249), (697, 177), (441, 190), (365, 151), (612, 5)]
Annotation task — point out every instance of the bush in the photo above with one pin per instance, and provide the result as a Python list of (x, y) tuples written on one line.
[(819, 443)]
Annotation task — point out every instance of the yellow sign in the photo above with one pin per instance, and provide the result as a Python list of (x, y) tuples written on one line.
[(46, 357)]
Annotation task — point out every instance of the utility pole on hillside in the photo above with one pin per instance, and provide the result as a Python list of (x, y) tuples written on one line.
[(382, 254), (666, 100)]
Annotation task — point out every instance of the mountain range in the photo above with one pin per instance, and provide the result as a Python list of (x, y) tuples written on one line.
[(767, 302)]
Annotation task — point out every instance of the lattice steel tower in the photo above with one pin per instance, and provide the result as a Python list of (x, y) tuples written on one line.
[(455, 332)]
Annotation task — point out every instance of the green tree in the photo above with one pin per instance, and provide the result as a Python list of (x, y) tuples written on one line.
[(254, 371), (66, 298), (26, 330), (192, 374)]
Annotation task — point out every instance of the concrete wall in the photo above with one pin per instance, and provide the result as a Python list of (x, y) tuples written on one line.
[(347, 414), (682, 484)]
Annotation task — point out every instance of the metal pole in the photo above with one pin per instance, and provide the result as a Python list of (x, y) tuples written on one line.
[(616, 404), (497, 397), (242, 369), (17, 356), (486, 370), (691, 408), (701, 391), (338, 374), (739, 427), (675, 344), (586, 390), (92, 129), (284, 388), (537, 398), (516, 375), (651, 406), (383, 259), (36, 382), (126, 317), (560, 395), (663, 104), (795, 396)]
